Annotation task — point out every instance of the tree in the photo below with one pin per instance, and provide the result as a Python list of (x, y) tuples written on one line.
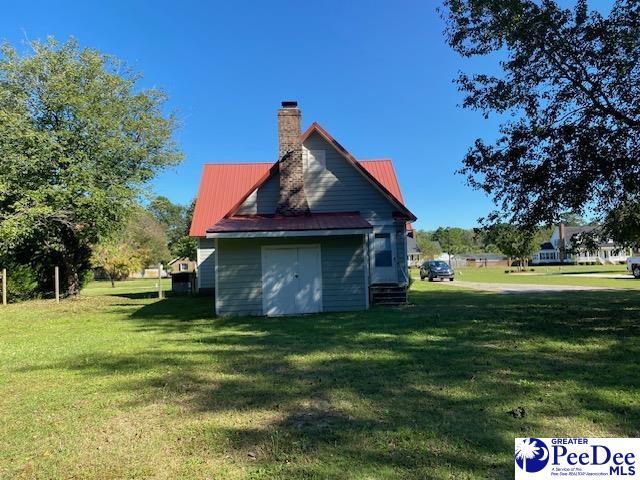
[(171, 215), (142, 242), (117, 259), (623, 224), (512, 241), (147, 236), (569, 91), (571, 219), (79, 140), (428, 247), (452, 240), (185, 247), (177, 220)]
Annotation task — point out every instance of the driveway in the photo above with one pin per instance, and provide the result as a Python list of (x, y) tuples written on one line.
[(521, 287)]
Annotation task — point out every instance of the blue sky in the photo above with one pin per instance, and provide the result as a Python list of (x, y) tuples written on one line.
[(376, 74)]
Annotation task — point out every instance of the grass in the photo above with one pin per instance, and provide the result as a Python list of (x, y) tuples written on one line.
[(120, 385), (581, 275)]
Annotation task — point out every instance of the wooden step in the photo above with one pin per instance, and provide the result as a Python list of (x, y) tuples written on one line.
[(387, 294)]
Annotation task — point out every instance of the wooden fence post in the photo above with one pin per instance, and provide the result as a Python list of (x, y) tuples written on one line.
[(4, 286), (160, 292), (57, 284)]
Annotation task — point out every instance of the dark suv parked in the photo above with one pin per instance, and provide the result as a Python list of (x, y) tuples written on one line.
[(436, 269)]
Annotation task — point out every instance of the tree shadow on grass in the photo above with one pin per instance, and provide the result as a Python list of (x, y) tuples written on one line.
[(589, 272), (146, 295), (421, 391), (173, 311)]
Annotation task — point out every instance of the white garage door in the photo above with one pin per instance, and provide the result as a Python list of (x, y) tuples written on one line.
[(291, 280)]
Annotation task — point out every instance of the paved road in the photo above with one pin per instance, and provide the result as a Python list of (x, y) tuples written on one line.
[(521, 287)]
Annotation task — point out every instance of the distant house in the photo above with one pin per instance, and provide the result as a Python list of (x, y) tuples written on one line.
[(413, 251), (559, 249), (316, 231), (151, 272), (479, 260)]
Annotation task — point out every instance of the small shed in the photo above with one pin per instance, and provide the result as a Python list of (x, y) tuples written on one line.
[(182, 265), (183, 275)]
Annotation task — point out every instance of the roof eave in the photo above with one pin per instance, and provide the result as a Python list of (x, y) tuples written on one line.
[(290, 233)]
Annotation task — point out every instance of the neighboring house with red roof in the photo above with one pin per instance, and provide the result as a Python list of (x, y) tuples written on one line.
[(315, 231)]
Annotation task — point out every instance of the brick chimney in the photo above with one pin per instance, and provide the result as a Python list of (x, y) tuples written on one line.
[(562, 241), (292, 200)]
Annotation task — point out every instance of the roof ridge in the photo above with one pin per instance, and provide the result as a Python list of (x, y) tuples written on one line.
[(315, 127)]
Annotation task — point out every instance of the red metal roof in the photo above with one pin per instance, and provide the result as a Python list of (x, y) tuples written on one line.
[(279, 223), (384, 172), (225, 186), (220, 188)]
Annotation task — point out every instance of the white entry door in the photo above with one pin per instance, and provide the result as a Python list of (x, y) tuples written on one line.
[(291, 280), (383, 258)]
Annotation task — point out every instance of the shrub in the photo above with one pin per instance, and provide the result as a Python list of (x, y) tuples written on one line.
[(86, 278), (22, 283)]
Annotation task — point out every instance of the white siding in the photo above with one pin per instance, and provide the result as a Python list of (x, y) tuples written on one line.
[(341, 188), (240, 273), (206, 263)]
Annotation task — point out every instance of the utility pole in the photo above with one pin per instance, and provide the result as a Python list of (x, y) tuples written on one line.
[(4, 286), (160, 292)]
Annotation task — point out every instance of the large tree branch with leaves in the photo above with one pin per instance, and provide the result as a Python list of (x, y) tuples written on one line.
[(79, 140), (569, 91)]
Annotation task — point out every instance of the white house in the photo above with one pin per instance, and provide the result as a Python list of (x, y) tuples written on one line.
[(315, 231), (413, 251), (608, 252)]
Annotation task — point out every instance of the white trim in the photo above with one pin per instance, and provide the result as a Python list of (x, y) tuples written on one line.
[(365, 260), (198, 265), (289, 246), (290, 233), (405, 260), (262, 281), (216, 291)]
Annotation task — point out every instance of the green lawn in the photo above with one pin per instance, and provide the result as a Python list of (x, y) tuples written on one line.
[(583, 275), (125, 386)]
